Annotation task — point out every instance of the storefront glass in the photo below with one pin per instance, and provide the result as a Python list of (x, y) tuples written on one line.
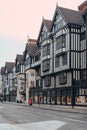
[(58, 97), (69, 96), (52, 97), (36, 97), (48, 97), (81, 96), (40, 97)]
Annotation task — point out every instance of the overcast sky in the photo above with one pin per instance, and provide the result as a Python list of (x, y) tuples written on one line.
[(19, 18)]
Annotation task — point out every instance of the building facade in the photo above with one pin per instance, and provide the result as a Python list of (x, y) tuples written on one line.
[(63, 59), (20, 78), (30, 75)]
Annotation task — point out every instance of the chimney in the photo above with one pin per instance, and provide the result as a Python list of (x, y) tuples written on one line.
[(83, 6)]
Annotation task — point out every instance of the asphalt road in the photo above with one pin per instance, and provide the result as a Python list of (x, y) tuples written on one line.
[(17, 117)]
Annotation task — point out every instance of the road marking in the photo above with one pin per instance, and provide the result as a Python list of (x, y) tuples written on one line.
[(5, 126), (45, 125)]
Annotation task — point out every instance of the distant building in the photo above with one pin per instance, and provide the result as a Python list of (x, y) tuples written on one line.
[(20, 78), (0, 84), (30, 49)]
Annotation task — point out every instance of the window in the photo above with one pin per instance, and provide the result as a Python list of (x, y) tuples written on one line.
[(83, 74), (83, 35), (28, 61), (63, 78), (46, 50), (64, 59), (37, 57), (32, 83), (61, 42), (57, 60), (46, 65), (18, 69), (47, 81), (38, 71), (37, 83)]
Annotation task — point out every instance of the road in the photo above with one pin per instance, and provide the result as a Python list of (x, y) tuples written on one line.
[(18, 117)]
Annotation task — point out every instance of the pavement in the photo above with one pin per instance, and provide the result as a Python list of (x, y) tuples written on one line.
[(75, 109)]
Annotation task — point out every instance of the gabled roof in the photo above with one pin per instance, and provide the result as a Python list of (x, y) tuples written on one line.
[(20, 58), (31, 47), (2, 70), (47, 23), (72, 16), (69, 16), (9, 66)]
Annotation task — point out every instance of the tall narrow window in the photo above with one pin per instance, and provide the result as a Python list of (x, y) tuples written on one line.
[(63, 78), (61, 41), (46, 65), (64, 59), (46, 50), (47, 81), (57, 61)]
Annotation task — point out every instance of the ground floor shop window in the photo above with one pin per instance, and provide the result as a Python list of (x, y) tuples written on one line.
[(58, 99), (48, 100), (69, 100), (69, 96), (81, 96), (81, 100), (40, 97), (36, 97), (48, 97), (44, 97), (44, 100), (52, 96), (63, 100)]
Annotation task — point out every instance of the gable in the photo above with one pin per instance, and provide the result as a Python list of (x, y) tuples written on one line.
[(44, 33), (27, 55), (6, 71), (44, 30), (58, 21)]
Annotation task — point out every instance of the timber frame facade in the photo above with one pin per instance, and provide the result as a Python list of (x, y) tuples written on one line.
[(63, 59)]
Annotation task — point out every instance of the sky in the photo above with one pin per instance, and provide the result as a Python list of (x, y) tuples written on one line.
[(20, 19)]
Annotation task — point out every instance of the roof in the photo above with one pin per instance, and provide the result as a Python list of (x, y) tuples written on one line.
[(72, 16), (31, 47), (69, 16), (48, 24), (20, 58), (2, 70), (9, 66)]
